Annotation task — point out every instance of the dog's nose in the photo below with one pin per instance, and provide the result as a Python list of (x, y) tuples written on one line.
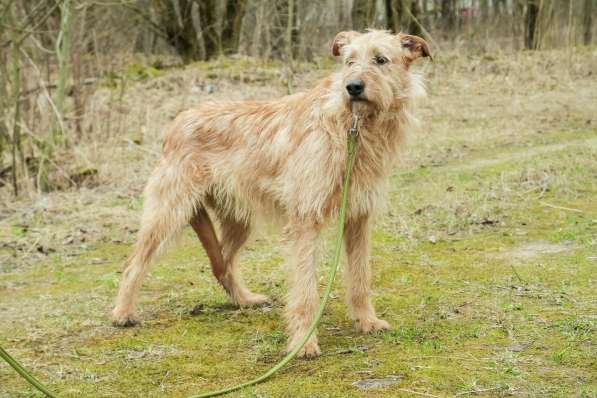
[(355, 87)]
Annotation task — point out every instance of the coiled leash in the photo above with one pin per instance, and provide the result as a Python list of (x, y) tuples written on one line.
[(353, 133)]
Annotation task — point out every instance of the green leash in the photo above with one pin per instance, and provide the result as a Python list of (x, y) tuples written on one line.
[(24, 373), (352, 140)]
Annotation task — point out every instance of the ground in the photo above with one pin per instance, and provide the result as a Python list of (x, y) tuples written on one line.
[(485, 262)]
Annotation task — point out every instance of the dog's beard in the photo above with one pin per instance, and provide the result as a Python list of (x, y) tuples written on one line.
[(359, 108)]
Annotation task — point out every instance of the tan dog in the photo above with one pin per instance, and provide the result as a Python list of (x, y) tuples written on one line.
[(285, 158)]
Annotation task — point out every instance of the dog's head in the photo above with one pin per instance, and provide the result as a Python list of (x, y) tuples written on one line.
[(376, 64)]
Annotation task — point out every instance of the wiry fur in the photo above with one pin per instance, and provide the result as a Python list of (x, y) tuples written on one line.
[(284, 158)]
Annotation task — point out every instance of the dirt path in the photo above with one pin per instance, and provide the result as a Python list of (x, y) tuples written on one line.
[(527, 153)]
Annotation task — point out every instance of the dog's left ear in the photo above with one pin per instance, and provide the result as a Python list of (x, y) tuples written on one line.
[(342, 39), (417, 46)]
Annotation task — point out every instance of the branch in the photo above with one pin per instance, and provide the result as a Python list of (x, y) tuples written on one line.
[(45, 86), (32, 30), (156, 28)]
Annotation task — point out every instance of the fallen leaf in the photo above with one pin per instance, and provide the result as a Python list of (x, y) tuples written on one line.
[(369, 384)]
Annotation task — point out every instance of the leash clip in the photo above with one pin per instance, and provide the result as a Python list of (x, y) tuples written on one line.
[(354, 129)]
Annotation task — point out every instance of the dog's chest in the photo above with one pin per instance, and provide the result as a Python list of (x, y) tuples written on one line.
[(376, 153)]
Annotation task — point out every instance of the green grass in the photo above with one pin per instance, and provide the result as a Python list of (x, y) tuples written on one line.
[(484, 264)]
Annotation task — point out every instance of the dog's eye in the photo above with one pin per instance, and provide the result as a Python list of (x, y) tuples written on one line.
[(380, 60), (350, 62)]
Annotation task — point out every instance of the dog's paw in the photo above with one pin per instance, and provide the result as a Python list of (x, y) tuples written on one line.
[(309, 350), (369, 325), (125, 320), (252, 300)]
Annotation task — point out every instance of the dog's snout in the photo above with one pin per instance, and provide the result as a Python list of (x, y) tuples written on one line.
[(355, 88)]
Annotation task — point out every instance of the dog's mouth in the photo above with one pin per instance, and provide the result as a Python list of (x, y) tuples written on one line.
[(358, 98)]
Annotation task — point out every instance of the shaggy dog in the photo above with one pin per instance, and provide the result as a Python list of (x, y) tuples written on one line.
[(285, 158)]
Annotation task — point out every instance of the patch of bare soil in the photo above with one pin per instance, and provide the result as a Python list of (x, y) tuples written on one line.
[(537, 248)]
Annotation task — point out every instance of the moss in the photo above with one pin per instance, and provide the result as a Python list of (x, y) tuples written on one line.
[(470, 313)]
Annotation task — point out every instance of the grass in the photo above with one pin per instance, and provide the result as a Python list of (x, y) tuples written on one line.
[(484, 263)]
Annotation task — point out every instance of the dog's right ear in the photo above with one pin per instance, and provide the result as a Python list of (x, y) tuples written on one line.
[(416, 46), (342, 39)]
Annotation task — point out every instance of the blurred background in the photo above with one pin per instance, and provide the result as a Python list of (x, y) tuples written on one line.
[(484, 261), (55, 54)]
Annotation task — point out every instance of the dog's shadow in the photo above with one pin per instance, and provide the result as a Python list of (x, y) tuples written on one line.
[(223, 308)]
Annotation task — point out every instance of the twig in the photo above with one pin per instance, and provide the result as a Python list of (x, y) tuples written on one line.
[(447, 357), (423, 394), (561, 207), (30, 248), (37, 140), (34, 28), (478, 391), (517, 274), (46, 86), (45, 89)]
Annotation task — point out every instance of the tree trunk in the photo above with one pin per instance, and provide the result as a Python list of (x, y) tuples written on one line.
[(588, 22), (208, 20), (425, 17), (414, 27), (192, 36), (448, 13), (518, 21), (401, 14), (233, 19), (17, 152), (497, 7), (363, 14), (63, 53), (344, 14), (290, 24), (484, 8), (4, 105), (531, 24)]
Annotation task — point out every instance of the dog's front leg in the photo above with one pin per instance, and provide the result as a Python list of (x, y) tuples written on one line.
[(303, 298), (358, 276)]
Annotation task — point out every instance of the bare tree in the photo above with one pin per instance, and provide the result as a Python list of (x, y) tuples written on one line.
[(532, 13), (414, 26), (290, 29), (484, 8), (63, 53), (4, 104), (394, 11), (233, 18), (363, 14), (448, 12), (588, 22), (15, 54)]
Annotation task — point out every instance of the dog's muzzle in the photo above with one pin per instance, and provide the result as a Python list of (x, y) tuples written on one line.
[(356, 89)]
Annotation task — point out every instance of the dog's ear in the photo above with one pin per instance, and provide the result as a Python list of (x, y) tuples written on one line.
[(416, 46), (342, 39)]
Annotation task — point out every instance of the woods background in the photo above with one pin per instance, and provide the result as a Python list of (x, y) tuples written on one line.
[(55, 54), (483, 261)]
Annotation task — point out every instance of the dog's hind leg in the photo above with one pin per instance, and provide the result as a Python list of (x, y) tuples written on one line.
[(222, 255), (206, 233), (234, 235), (172, 196)]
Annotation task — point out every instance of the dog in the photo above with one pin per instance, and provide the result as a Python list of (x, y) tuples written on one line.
[(233, 161)]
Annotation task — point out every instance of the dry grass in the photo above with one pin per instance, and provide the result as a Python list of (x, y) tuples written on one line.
[(484, 262)]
